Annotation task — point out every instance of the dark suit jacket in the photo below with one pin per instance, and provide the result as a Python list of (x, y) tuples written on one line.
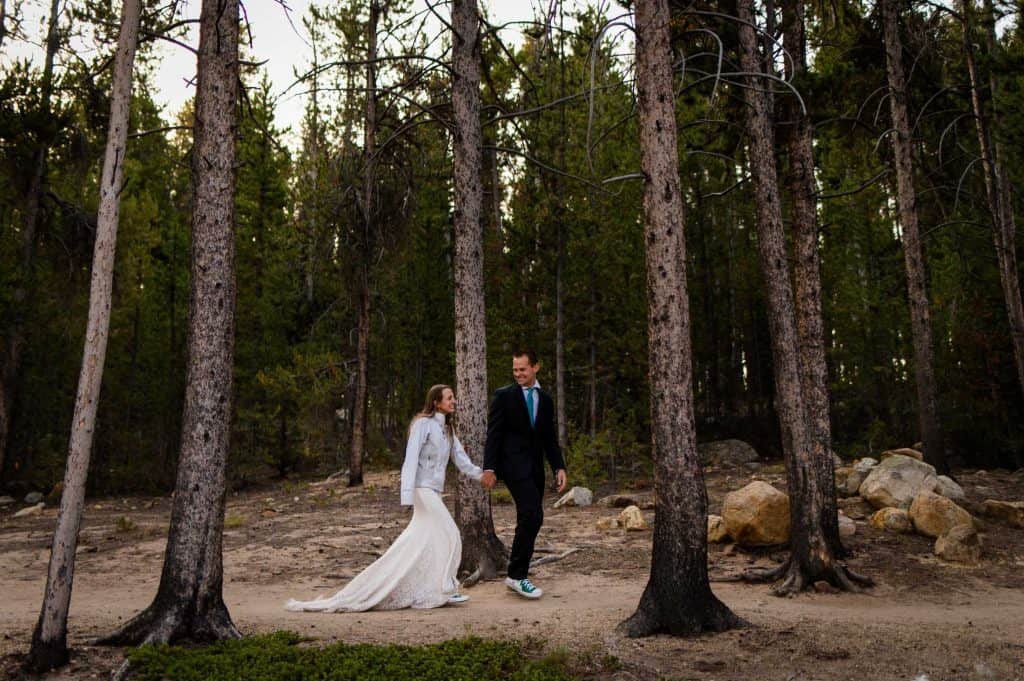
[(515, 450)]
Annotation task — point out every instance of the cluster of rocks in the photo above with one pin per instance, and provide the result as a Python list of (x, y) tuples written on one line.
[(898, 492), (904, 494), (33, 500)]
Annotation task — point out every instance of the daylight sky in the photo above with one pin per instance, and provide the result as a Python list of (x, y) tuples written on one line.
[(278, 38)]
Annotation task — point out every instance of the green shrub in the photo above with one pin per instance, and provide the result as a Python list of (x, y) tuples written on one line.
[(279, 656)]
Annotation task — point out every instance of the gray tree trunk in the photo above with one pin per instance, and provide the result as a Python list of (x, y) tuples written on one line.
[(997, 193), (10, 353), (917, 287), (483, 554), (814, 534), (189, 603), (807, 279), (358, 447), (678, 597), (49, 640)]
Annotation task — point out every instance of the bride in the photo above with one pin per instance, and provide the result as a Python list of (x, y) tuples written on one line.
[(418, 570)]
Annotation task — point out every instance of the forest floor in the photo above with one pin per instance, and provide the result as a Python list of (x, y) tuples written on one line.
[(925, 619)]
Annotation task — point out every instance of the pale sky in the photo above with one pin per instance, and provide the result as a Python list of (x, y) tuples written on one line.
[(282, 44)]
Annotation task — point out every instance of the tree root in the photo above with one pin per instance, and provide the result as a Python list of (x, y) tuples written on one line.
[(472, 579), (552, 559), (647, 621), (797, 578)]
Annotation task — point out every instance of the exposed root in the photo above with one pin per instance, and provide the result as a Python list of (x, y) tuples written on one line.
[(552, 559), (797, 579), (652, 617), (755, 576), (472, 579)]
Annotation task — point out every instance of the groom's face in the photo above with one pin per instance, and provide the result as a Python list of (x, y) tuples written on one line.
[(524, 372)]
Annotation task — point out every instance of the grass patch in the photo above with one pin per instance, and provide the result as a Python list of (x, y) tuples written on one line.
[(124, 524), (233, 520), (279, 656), (501, 496)]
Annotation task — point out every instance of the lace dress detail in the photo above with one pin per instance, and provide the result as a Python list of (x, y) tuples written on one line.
[(417, 571)]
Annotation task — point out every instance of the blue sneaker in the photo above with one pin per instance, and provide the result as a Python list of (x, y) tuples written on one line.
[(524, 587)]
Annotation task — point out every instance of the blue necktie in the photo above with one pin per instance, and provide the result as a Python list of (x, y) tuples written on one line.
[(530, 406)]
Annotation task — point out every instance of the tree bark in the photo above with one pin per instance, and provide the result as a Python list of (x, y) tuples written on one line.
[(358, 447), (678, 597), (189, 603), (807, 277), (10, 354), (49, 640), (561, 422), (1000, 202), (917, 288), (814, 533), (482, 552)]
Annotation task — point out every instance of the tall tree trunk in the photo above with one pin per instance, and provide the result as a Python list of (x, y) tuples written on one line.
[(807, 277), (49, 640), (358, 447), (483, 554), (813, 524), (1000, 202), (189, 603), (678, 597), (560, 418), (917, 288), (13, 344)]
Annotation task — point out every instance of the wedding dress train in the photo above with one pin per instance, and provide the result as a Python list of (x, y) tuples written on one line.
[(417, 571)]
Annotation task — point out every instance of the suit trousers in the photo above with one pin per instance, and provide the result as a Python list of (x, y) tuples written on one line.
[(528, 495)]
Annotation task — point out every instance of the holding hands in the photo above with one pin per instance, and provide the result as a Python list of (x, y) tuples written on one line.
[(488, 480)]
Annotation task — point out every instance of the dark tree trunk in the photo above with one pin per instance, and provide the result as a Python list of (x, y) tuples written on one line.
[(813, 523), (807, 277), (49, 640), (483, 554), (13, 344), (1000, 202), (678, 597), (358, 447), (917, 287), (189, 603)]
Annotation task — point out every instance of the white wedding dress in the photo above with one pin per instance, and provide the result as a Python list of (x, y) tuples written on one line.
[(417, 571)]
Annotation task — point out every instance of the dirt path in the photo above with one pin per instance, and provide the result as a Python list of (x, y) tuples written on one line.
[(925, 617)]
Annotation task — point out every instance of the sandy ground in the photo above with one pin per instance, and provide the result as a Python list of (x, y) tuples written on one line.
[(297, 539)]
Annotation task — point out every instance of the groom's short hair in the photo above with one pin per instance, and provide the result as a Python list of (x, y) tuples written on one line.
[(528, 353)]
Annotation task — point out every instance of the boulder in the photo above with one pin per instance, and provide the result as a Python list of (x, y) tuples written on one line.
[(632, 519), (1012, 512), (864, 465), (960, 545), (848, 480), (609, 523), (856, 507), (892, 519), (934, 515), (897, 481), (727, 453), (577, 496), (903, 451), (6, 501), (716, 529), (757, 515), (33, 497), (948, 488), (644, 501), (847, 528), (31, 510)]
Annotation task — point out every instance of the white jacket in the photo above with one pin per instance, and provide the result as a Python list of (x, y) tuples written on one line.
[(426, 457)]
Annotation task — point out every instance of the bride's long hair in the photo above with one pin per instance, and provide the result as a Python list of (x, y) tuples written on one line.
[(434, 396)]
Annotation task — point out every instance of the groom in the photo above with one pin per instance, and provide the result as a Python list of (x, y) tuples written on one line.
[(520, 435)]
